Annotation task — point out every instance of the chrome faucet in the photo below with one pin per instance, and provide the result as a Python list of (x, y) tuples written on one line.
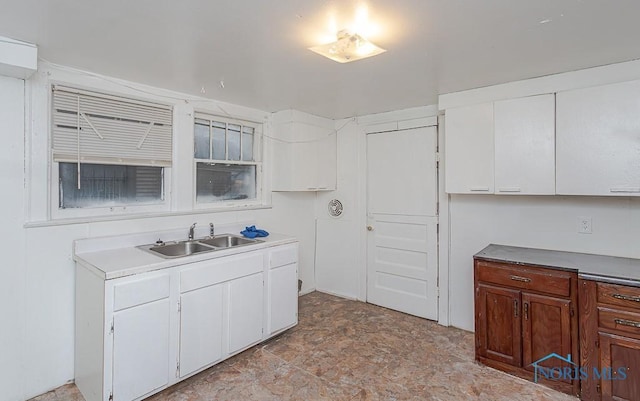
[(211, 231), (193, 227)]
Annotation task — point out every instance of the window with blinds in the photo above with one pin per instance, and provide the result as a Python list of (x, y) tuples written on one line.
[(227, 156), (109, 150)]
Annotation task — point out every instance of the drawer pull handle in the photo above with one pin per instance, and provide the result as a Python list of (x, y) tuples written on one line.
[(625, 322), (626, 297), (522, 279)]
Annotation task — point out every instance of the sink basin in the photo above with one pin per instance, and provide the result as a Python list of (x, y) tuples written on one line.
[(208, 244), (184, 248), (227, 241)]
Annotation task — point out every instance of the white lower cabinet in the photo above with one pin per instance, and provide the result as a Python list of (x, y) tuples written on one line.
[(139, 334), (201, 325), (282, 300), (141, 349), (246, 302), (283, 307)]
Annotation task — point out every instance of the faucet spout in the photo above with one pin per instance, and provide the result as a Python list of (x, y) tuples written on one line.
[(191, 229)]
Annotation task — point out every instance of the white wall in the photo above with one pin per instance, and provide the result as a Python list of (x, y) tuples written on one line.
[(548, 222), (338, 243), (12, 244), (37, 286)]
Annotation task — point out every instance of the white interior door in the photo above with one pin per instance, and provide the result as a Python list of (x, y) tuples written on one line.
[(402, 261)]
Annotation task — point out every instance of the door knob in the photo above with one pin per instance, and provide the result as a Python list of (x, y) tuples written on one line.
[(369, 228)]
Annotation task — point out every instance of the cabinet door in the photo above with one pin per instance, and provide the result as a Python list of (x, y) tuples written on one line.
[(498, 329), (141, 349), (620, 367), (200, 328), (598, 140), (245, 311), (525, 145), (283, 297), (305, 165), (546, 323), (327, 163), (305, 158), (469, 149)]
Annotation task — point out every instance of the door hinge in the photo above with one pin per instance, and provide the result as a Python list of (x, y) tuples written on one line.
[(597, 343), (178, 369), (438, 292), (572, 312), (437, 157), (111, 329), (110, 395), (179, 306)]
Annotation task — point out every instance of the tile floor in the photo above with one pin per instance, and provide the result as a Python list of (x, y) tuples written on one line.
[(347, 350)]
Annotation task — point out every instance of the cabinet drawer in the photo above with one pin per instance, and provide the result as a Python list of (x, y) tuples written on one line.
[(614, 319), (206, 273), (128, 294), (283, 255), (618, 295), (528, 278)]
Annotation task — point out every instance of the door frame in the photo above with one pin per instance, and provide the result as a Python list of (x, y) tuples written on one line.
[(405, 119)]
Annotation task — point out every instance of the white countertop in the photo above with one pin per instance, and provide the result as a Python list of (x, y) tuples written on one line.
[(125, 259)]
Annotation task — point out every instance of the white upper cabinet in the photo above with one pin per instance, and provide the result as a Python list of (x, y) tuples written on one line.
[(469, 149), (525, 145), (502, 147), (598, 140), (304, 152)]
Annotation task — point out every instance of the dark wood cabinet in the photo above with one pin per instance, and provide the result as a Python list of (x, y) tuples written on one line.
[(547, 329), (524, 314), (610, 341), (498, 328)]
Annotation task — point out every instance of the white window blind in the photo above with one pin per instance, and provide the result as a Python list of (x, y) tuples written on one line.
[(92, 127)]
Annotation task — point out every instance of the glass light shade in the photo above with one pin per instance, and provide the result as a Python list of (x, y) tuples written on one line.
[(348, 47)]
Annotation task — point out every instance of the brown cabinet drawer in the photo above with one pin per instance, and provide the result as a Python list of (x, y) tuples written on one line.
[(618, 295), (525, 277), (613, 319)]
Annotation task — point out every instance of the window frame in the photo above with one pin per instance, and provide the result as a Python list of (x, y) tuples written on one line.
[(258, 156), (56, 213)]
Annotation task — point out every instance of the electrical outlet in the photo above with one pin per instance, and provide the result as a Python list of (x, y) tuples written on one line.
[(584, 225)]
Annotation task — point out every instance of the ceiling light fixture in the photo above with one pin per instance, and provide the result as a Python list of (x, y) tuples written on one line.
[(349, 47)]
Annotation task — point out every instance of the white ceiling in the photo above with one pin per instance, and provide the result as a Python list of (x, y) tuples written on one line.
[(258, 48)]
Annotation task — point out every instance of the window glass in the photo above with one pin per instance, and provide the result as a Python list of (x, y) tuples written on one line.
[(233, 142), (247, 143), (231, 173), (109, 185), (218, 182), (202, 145), (219, 141)]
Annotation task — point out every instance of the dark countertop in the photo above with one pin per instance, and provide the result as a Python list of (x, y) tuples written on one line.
[(611, 269)]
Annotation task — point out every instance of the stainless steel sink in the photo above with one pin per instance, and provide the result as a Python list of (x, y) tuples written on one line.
[(190, 247), (228, 241), (184, 248)]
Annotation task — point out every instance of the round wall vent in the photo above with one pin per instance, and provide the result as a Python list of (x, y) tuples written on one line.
[(335, 208)]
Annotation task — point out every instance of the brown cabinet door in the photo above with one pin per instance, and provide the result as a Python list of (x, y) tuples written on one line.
[(546, 326), (498, 327), (619, 368)]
